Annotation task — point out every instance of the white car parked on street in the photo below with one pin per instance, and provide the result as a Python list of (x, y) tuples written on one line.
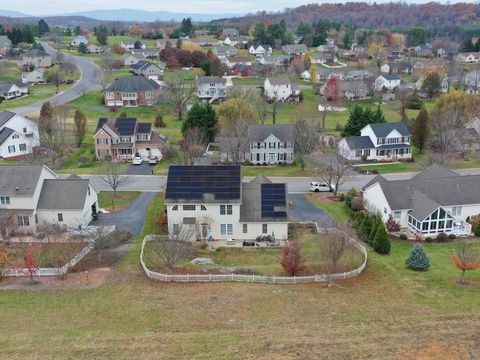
[(316, 186)]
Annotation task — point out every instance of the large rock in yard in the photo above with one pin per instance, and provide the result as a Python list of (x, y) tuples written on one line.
[(202, 261)]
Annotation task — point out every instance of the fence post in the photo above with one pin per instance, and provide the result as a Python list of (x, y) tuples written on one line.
[(294, 279), (210, 277), (253, 278), (232, 276), (188, 277), (274, 279)]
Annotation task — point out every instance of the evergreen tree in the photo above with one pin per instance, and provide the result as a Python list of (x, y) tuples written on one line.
[(431, 84), (102, 35), (354, 123), (43, 28), (348, 39), (365, 228), (420, 129), (375, 224), (82, 48), (417, 259), (378, 116), (260, 34), (202, 116), (186, 27), (77, 31), (381, 242)]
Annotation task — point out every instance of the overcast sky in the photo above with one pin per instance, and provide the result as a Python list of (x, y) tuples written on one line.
[(42, 7)]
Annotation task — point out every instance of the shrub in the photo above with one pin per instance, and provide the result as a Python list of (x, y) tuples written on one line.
[(392, 224), (159, 123), (247, 163), (417, 259), (352, 192), (452, 236), (373, 230), (357, 204), (403, 237), (169, 151), (365, 228), (381, 242), (291, 259), (338, 127), (342, 197), (442, 237), (429, 239), (477, 230)]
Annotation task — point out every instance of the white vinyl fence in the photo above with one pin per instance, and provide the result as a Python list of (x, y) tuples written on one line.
[(255, 278), (52, 271)]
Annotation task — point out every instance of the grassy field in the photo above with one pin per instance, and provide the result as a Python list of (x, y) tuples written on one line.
[(338, 210), (122, 199)]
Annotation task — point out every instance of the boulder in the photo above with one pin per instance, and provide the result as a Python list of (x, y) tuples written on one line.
[(202, 261)]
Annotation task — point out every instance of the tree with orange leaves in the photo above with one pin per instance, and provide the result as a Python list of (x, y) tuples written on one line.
[(465, 259), (5, 260), (30, 261), (292, 259)]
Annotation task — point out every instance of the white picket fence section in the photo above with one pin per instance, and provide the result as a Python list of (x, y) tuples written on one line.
[(52, 271), (255, 278)]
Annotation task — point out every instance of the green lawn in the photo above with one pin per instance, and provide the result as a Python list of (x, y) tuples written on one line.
[(23, 101), (122, 199), (337, 210), (9, 71)]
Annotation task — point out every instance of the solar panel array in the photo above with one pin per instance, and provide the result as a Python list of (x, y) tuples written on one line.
[(126, 126), (192, 182), (274, 197)]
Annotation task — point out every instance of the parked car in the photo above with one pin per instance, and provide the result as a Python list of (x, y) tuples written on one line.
[(250, 243), (316, 186), (137, 160), (153, 160)]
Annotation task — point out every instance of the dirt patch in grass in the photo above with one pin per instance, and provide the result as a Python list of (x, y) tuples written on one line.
[(108, 258)]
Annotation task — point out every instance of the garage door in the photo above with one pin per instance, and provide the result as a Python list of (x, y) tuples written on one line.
[(157, 153), (110, 103), (143, 153)]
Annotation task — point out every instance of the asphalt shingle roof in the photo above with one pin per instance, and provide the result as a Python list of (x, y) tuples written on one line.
[(5, 116), (381, 130), (63, 194), (359, 142), (210, 80), (283, 132), (23, 177), (4, 134), (277, 81), (133, 84)]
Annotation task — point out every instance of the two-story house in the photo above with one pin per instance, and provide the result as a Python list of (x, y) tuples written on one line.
[(124, 138), (34, 59), (223, 52), (18, 135), (132, 91), (280, 89), (384, 141), (434, 201), (149, 53), (295, 49), (211, 88), (31, 195), (387, 82), (323, 58), (230, 32), (260, 50), (271, 144), (211, 202), (128, 60), (147, 69), (5, 45), (467, 57), (36, 76)]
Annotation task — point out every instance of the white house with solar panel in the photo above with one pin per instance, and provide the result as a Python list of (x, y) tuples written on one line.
[(384, 141), (212, 203)]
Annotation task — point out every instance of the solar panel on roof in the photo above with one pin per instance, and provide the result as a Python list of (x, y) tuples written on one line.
[(273, 197)]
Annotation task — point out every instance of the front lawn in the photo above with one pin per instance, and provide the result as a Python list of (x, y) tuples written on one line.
[(338, 210), (123, 199)]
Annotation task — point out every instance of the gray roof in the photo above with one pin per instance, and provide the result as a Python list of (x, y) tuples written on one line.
[(4, 134), (359, 142), (391, 77), (381, 130), (23, 177), (142, 65), (296, 47), (63, 194), (36, 53), (282, 132), (5, 116), (5, 41), (210, 80), (132, 42), (439, 185), (422, 205), (251, 208), (133, 84), (281, 80)]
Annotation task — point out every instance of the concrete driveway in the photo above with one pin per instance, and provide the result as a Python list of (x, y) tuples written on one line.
[(130, 219), (143, 169), (303, 210)]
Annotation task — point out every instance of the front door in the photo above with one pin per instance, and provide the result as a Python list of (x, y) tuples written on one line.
[(272, 158), (204, 231)]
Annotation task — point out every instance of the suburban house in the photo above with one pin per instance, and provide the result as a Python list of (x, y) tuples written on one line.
[(294, 49), (387, 82), (327, 48), (467, 138), (236, 40), (211, 88), (352, 90), (12, 89), (18, 135), (271, 144), (31, 195), (280, 89), (229, 32), (33, 77), (423, 50), (260, 50), (242, 70), (212, 203), (400, 67), (434, 201), (166, 43), (79, 39), (132, 91), (130, 44), (147, 69), (146, 53), (275, 60), (384, 141), (124, 138), (129, 59), (237, 60), (223, 52), (357, 75), (5, 45), (35, 58), (323, 58), (98, 49), (468, 57), (394, 54)]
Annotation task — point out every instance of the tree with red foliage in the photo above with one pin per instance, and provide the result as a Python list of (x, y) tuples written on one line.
[(184, 57), (331, 91), (168, 54), (30, 262), (292, 259), (465, 259), (198, 57), (162, 223), (392, 225)]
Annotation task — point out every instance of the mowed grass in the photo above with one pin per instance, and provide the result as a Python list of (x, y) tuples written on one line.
[(122, 199)]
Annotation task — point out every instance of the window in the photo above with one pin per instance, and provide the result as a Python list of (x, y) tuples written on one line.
[(176, 229), (22, 147), (189, 221), (397, 215), (60, 217), (23, 221), (4, 200), (456, 210), (264, 228), (15, 136), (245, 228), (226, 229), (175, 208), (384, 210), (24, 130), (203, 208), (102, 141), (11, 149), (358, 153), (366, 152), (189, 207), (226, 210)]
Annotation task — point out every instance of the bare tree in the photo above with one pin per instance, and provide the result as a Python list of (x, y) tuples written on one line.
[(179, 91), (193, 144), (260, 106), (58, 57), (305, 138), (101, 238), (336, 243), (113, 178), (79, 127), (444, 125), (167, 253), (56, 76), (235, 139), (7, 223), (51, 132), (332, 166), (102, 78)]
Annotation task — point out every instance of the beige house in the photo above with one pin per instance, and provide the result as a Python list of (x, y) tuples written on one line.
[(132, 92), (35, 58)]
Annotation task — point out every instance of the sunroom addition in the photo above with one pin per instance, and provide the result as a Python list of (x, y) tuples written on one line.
[(440, 220)]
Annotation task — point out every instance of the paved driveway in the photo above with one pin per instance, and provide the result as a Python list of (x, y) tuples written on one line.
[(304, 210), (143, 169), (130, 219)]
